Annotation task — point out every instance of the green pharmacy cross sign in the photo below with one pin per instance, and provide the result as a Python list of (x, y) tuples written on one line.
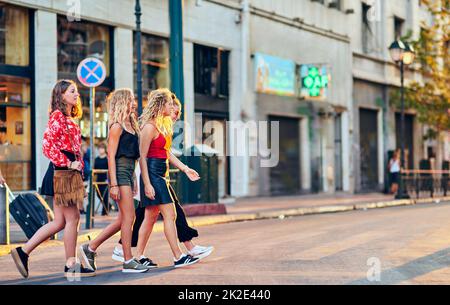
[(315, 81)]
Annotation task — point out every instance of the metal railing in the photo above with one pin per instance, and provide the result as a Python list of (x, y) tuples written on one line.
[(427, 183), (101, 194)]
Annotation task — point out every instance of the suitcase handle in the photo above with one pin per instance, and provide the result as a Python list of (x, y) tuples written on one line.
[(10, 196), (10, 193)]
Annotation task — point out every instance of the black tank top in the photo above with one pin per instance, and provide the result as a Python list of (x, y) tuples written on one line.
[(128, 146)]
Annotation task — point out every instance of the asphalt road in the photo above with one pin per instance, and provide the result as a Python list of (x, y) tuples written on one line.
[(407, 245)]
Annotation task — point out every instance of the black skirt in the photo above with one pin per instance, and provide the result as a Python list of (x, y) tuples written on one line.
[(158, 171), (47, 183)]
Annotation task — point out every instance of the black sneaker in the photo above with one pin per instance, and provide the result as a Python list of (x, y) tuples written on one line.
[(185, 260), (148, 263), (78, 271), (21, 260)]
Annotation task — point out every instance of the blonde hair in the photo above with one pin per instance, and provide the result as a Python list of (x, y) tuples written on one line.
[(118, 108), (157, 100), (177, 102)]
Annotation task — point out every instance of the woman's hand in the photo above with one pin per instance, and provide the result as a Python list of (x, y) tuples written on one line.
[(76, 166), (115, 193), (192, 174), (150, 192)]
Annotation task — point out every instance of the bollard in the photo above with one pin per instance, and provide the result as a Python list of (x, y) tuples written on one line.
[(4, 216)]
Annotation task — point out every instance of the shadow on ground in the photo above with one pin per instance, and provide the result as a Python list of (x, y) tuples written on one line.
[(411, 270), (108, 275)]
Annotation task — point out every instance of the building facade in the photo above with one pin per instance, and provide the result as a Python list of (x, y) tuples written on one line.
[(320, 70), (314, 110), (376, 121), (55, 36)]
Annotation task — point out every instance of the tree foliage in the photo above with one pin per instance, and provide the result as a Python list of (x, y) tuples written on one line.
[(431, 97)]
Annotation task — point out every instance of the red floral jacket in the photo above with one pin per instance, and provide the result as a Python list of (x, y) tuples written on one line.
[(59, 137)]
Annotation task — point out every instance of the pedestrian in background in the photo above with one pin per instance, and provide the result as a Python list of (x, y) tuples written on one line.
[(394, 171), (62, 145), (101, 163)]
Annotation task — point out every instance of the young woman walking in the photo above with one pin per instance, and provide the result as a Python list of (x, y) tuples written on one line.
[(62, 145), (156, 141), (185, 233), (123, 153)]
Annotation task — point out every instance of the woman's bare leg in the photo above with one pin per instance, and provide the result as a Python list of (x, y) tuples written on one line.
[(72, 216), (47, 231), (127, 212), (189, 245), (170, 229), (151, 216), (107, 233)]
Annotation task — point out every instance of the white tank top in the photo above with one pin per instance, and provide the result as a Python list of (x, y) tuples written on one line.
[(395, 166)]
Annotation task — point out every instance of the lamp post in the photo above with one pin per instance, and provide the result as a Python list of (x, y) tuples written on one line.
[(138, 13), (404, 55)]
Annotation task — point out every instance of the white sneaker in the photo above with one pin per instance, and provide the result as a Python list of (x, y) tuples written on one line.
[(201, 252), (118, 255)]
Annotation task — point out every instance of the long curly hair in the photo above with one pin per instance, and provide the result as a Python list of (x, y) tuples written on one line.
[(58, 103), (119, 109), (157, 100)]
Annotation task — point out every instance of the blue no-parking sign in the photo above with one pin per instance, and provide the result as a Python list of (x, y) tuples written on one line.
[(91, 72)]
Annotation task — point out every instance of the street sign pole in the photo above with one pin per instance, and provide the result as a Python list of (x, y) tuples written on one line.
[(90, 207), (91, 73)]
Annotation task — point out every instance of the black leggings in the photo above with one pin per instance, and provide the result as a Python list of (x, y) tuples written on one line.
[(185, 232)]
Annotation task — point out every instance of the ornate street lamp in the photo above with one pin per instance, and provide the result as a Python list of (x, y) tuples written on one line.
[(403, 54)]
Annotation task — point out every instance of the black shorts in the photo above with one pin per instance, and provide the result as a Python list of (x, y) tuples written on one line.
[(395, 178)]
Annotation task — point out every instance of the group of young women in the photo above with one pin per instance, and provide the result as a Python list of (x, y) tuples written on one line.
[(146, 140)]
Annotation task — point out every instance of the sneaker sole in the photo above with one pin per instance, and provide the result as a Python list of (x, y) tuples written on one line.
[(117, 258), (185, 265), (18, 262), (86, 260), (204, 255), (79, 275), (134, 271)]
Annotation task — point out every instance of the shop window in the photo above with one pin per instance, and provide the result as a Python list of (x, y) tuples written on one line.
[(155, 64), (14, 36), (15, 132), (77, 41)]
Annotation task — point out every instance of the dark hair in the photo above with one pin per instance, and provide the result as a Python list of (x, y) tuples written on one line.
[(58, 102), (102, 145)]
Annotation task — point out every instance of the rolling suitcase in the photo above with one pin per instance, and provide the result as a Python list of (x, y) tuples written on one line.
[(30, 211)]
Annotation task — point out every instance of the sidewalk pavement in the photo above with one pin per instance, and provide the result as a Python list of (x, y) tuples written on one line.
[(249, 209)]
